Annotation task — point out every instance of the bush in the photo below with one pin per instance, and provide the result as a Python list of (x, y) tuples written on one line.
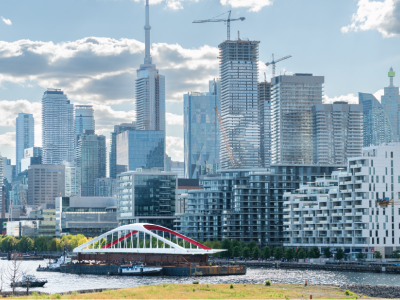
[(231, 286), (35, 295), (348, 293), (195, 282), (57, 296), (267, 282)]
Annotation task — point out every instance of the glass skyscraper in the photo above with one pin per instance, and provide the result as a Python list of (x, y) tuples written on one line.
[(377, 128), (84, 118), (58, 130), (25, 136), (141, 149), (337, 132), (91, 158), (201, 131), (113, 146), (391, 104), (146, 196), (292, 98), (239, 104)]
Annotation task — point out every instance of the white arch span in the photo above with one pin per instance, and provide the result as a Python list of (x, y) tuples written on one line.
[(127, 238)]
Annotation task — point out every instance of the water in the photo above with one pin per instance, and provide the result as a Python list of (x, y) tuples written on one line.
[(60, 282)]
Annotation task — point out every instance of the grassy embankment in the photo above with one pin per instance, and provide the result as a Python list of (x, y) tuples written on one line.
[(212, 291)]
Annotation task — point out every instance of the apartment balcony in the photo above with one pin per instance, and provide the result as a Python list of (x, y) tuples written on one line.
[(338, 207), (286, 209)]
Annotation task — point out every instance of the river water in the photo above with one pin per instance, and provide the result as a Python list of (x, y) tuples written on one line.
[(60, 282)]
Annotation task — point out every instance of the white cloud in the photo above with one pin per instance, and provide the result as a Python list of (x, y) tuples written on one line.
[(175, 147), (103, 70), (173, 119), (383, 16), (7, 139), (174, 4), (6, 21), (379, 94), (350, 98), (254, 5)]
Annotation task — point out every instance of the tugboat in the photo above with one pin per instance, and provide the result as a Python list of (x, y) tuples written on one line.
[(30, 280), (55, 265), (138, 270)]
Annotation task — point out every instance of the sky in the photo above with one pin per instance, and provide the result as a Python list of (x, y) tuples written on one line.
[(91, 50)]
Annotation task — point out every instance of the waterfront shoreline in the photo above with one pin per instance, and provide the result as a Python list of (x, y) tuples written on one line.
[(226, 291)]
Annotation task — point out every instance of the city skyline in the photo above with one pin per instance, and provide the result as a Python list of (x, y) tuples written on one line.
[(188, 62)]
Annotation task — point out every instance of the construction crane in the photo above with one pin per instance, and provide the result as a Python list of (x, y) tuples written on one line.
[(228, 148), (387, 201), (228, 22), (273, 62)]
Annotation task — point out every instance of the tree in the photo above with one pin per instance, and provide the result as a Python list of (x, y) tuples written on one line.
[(208, 244), (377, 254), (226, 244), (360, 255), (266, 252), (396, 254), (278, 252), (327, 252), (246, 252), (251, 245), (311, 253), (256, 252), (235, 243), (317, 253), (14, 272), (236, 251), (301, 254), (216, 245), (340, 253), (289, 253)]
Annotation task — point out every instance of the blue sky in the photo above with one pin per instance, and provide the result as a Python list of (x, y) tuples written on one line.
[(92, 48)]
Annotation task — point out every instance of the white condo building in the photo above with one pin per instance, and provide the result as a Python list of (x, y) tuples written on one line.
[(150, 89), (58, 130), (340, 211)]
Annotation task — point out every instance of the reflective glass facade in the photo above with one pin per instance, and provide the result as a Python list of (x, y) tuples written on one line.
[(25, 136), (239, 104), (201, 131), (113, 146), (377, 128), (91, 158), (141, 149), (84, 118), (292, 98), (146, 196), (245, 204), (264, 108)]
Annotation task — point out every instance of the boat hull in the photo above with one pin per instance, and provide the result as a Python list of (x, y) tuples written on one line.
[(152, 272), (31, 284)]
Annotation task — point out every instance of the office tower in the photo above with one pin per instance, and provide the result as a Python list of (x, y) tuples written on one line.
[(391, 104), (141, 149), (239, 105), (58, 129), (19, 190), (178, 167), (8, 169), (45, 183), (167, 163), (377, 128), (264, 109), (3, 203), (292, 98), (146, 196), (84, 118), (73, 180), (91, 158), (201, 131), (150, 89), (114, 170), (337, 132), (105, 187), (25, 136), (32, 156)]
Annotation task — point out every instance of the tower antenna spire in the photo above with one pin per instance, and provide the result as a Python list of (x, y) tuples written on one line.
[(147, 27), (391, 76)]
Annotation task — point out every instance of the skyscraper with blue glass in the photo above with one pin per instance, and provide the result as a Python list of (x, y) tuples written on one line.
[(25, 136), (377, 128), (391, 104), (84, 118), (141, 149), (201, 131)]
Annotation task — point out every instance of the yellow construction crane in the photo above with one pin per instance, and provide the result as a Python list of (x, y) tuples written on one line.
[(228, 148), (387, 201)]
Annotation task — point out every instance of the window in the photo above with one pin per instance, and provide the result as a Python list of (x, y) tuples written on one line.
[(384, 225), (377, 240), (377, 179), (373, 240), (385, 171), (370, 205), (370, 233), (384, 241), (376, 233), (383, 179), (373, 226), (384, 211), (372, 163), (387, 233), (369, 171), (370, 219), (391, 155), (386, 218), (377, 224)]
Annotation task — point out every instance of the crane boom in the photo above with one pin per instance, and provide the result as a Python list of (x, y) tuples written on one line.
[(228, 22), (273, 62), (387, 201), (228, 148)]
